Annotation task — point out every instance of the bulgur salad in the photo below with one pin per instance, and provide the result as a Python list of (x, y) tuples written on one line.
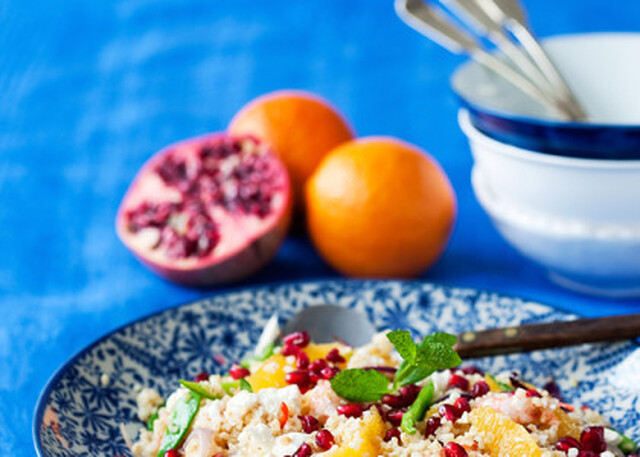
[(392, 397)]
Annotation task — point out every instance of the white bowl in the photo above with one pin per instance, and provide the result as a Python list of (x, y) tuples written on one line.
[(578, 218), (590, 190)]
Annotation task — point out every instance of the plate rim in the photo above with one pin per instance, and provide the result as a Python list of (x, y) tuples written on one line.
[(39, 408)]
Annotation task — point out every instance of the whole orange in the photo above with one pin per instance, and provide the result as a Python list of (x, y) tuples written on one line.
[(380, 207), (301, 127)]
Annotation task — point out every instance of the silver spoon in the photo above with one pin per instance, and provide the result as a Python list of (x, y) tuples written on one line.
[(475, 17), (473, 14), (509, 14), (327, 323), (436, 26)]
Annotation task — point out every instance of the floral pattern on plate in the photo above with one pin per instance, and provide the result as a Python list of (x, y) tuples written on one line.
[(81, 408)]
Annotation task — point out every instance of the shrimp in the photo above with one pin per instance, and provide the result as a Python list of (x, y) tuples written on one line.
[(520, 408)]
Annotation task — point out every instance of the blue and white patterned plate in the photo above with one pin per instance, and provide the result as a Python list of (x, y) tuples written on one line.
[(80, 409)]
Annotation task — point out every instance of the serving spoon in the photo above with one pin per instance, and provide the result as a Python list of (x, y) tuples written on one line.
[(327, 323)]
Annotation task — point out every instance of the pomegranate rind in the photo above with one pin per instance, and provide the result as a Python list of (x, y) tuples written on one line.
[(259, 245)]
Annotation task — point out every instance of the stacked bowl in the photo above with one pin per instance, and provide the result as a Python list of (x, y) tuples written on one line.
[(564, 194)]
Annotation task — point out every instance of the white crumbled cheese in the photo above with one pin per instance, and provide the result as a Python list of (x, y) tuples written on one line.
[(148, 400), (259, 439), (288, 444), (607, 454), (573, 452), (612, 437), (440, 382), (380, 352)]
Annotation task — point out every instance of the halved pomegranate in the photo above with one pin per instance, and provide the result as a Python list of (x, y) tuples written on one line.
[(207, 210)]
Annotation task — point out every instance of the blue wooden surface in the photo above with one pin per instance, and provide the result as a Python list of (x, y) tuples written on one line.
[(89, 89)]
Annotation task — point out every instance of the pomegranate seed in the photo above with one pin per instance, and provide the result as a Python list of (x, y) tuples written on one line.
[(329, 372), (350, 410), (334, 356), (299, 378), (394, 401), (238, 372), (459, 382), (566, 443), (317, 366), (314, 378), (297, 339), (289, 349), (171, 453), (472, 369), (303, 451), (462, 405), (553, 390), (392, 433), (587, 454), (395, 417), (324, 439), (409, 393), (202, 376), (533, 393), (449, 412), (454, 450), (479, 389), (592, 439), (433, 423), (309, 423), (302, 360)]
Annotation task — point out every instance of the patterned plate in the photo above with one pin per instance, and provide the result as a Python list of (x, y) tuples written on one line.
[(80, 409)]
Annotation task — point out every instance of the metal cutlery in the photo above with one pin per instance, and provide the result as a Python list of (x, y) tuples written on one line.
[(530, 71)]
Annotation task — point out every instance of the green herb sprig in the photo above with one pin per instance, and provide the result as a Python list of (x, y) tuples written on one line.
[(419, 360)]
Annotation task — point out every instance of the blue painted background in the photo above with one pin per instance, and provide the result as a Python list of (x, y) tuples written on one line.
[(89, 89)]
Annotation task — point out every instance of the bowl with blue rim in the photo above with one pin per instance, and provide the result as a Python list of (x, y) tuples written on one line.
[(603, 70)]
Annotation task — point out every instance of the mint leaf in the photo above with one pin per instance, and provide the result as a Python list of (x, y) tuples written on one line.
[(360, 385), (435, 352), (418, 409), (438, 356), (439, 337), (413, 375), (196, 388), (404, 344)]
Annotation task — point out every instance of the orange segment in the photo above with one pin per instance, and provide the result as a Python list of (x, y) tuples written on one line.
[(568, 426), (502, 436), (320, 351), (271, 373), (366, 443)]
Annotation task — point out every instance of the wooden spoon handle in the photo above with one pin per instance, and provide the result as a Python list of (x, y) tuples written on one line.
[(527, 338)]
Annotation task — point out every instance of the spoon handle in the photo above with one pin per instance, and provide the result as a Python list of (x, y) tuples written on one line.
[(527, 338)]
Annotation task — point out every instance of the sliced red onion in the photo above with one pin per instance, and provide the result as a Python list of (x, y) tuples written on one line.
[(205, 439)]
